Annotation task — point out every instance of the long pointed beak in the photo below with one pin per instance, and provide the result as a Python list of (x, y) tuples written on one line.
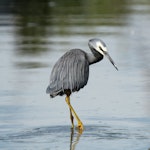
[(111, 60)]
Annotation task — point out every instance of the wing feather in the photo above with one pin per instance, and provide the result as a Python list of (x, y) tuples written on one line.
[(71, 72)]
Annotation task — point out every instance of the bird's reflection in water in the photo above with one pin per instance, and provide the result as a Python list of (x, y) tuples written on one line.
[(74, 138)]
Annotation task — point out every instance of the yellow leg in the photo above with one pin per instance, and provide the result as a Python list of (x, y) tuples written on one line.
[(71, 118), (80, 124)]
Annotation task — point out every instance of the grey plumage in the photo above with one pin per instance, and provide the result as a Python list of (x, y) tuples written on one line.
[(71, 71)]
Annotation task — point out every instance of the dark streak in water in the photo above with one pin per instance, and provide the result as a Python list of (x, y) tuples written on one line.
[(53, 133)]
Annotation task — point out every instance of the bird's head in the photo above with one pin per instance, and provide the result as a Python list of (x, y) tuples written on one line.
[(100, 47)]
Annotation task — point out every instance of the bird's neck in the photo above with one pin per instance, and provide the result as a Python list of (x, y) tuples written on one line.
[(94, 58)]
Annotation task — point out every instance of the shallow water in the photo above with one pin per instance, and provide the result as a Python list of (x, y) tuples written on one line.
[(114, 106), (94, 136)]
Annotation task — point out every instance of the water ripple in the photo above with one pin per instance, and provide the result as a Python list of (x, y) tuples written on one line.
[(53, 133)]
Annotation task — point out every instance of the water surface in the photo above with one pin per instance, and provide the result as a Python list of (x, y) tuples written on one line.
[(114, 106)]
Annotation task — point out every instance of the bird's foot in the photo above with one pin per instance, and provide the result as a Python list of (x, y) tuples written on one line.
[(72, 126), (80, 126)]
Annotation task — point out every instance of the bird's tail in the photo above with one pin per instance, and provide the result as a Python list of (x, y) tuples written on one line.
[(53, 92), (48, 90)]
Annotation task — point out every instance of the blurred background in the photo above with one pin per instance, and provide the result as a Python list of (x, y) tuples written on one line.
[(35, 33)]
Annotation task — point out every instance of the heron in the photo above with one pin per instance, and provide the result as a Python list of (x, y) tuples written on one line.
[(71, 72)]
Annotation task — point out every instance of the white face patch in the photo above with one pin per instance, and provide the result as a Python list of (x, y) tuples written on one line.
[(98, 45), (101, 48)]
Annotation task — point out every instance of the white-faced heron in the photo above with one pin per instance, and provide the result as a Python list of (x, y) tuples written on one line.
[(71, 72)]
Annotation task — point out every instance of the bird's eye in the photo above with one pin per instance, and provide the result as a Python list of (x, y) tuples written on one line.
[(101, 49)]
